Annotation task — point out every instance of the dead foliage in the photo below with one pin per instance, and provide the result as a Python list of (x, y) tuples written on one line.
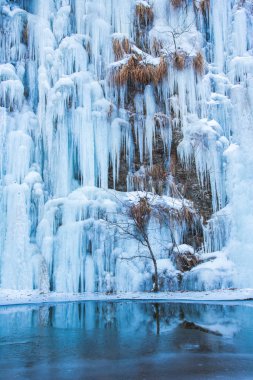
[(144, 14), (199, 63), (120, 47), (138, 72), (140, 212), (161, 69), (179, 60)]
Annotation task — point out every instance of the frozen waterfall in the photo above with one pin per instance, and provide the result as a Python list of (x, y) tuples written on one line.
[(98, 98)]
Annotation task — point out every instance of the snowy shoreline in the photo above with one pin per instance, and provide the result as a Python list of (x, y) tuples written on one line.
[(13, 297)]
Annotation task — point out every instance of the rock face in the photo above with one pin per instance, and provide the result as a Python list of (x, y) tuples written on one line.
[(185, 258), (148, 96)]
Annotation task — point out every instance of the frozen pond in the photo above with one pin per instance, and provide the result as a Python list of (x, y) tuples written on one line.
[(127, 340)]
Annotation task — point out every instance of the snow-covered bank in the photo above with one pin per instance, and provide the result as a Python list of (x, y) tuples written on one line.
[(12, 297)]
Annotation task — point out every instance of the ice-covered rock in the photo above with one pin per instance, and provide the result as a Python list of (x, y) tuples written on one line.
[(69, 132)]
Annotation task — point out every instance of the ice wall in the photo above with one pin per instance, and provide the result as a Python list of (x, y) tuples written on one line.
[(74, 123)]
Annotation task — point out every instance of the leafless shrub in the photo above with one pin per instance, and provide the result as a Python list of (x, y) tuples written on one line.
[(140, 212)]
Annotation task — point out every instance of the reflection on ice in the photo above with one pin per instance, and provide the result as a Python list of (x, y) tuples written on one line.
[(121, 338)]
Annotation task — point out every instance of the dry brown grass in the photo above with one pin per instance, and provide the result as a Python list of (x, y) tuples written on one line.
[(144, 14), (199, 63), (140, 212), (179, 60), (177, 3), (144, 74), (117, 49), (120, 47), (121, 76), (126, 45), (162, 69), (137, 72)]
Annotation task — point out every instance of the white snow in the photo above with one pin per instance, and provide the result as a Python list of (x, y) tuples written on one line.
[(184, 248), (10, 297)]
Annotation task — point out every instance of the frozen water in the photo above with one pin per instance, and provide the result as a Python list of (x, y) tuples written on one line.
[(98, 340)]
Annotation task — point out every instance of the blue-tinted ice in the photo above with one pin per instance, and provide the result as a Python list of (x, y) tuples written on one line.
[(127, 340)]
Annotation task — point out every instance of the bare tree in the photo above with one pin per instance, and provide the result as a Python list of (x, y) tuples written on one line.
[(134, 219)]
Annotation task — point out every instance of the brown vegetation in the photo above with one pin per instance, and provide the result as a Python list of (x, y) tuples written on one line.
[(199, 63), (144, 14), (140, 212), (179, 60), (138, 72), (121, 47)]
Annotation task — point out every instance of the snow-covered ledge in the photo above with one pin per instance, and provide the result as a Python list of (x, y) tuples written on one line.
[(12, 297)]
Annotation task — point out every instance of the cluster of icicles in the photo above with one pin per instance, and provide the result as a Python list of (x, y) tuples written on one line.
[(66, 124)]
